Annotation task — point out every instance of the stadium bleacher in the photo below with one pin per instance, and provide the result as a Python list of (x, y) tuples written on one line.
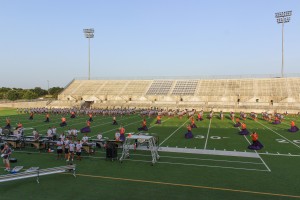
[(229, 94)]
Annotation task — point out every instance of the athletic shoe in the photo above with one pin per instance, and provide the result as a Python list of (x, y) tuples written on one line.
[(67, 160)]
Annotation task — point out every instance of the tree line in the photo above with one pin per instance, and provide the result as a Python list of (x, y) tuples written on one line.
[(19, 93)]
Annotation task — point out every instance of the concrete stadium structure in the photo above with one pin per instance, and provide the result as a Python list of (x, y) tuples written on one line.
[(241, 94)]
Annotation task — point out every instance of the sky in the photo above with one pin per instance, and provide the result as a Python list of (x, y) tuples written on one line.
[(42, 41)]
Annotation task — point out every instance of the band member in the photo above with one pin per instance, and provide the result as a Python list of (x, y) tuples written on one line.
[(122, 133), (210, 115), (158, 119), (90, 117), (73, 115), (47, 118), (63, 122), (237, 122), (114, 121), (199, 117), (144, 126), (244, 130), (293, 128), (256, 145), (71, 150), (86, 129), (5, 154), (85, 139), (232, 116), (221, 115), (59, 148), (31, 116), (276, 120), (193, 125), (188, 134), (67, 147), (36, 135), (7, 124), (78, 150)]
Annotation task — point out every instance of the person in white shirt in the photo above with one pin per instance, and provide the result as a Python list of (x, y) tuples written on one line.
[(85, 139), (49, 133), (0, 130), (35, 134), (59, 145), (78, 150), (67, 147), (54, 132), (71, 150), (62, 136)]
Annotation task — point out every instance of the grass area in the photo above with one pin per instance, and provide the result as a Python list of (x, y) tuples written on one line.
[(7, 111), (271, 175)]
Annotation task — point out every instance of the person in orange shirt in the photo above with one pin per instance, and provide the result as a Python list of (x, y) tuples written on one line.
[(63, 122), (293, 128), (276, 121), (199, 117), (256, 145), (73, 115), (86, 129), (244, 130), (188, 134), (122, 133), (237, 122), (144, 126), (31, 116), (47, 118), (90, 117), (193, 125), (158, 119)]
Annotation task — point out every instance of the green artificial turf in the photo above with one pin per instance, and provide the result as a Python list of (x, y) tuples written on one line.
[(175, 175)]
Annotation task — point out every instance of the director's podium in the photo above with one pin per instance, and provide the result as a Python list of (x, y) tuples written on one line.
[(131, 139)]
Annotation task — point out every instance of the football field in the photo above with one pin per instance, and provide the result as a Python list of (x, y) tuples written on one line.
[(215, 164)]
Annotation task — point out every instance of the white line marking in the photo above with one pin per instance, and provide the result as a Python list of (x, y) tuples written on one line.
[(207, 134), (279, 134), (174, 132), (257, 153)]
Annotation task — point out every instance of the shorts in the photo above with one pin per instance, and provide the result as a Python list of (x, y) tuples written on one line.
[(66, 151), (78, 153), (71, 152), (6, 161)]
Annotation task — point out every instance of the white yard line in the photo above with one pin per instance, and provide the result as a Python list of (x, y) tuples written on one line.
[(259, 156), (269, 170), (173, 132), (279, 135), (207, 134)]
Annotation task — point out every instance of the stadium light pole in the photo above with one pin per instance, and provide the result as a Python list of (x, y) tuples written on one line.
[(283, 17), (89, 33)]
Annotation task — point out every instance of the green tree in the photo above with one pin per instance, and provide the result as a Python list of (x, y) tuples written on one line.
[(30, 95), (39, 91), (13, 95), (55, 91)]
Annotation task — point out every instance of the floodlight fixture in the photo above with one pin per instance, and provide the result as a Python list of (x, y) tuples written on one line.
[(89, 33), (282, 18)]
